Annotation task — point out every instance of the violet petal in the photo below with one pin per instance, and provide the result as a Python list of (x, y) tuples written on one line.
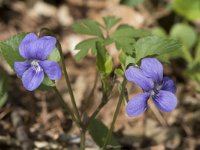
[(165, 101), (21, 67), (52, 69), (24, 47), (152, 68), (168, 85), (32, 47), (137, 105), (32, 79), (136, 75)]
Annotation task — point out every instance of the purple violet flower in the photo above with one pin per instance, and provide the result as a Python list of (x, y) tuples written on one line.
[(36, 50), (149, 76)]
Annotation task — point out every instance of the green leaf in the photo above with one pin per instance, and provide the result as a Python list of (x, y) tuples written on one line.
[(166, 57), (47, 84), (107, 41), (185, 33), (186, 54), (3, 99), (108, 65), (122, 59), (98, 132), (81, 54), (84, 47), (89, 27), (125, 60), (154, 45), (190, 9), (110, 21), (3, 88), (128, 31), (197, 52), (101, 57), (159, 32), (131, 2), (193, 72), (15, 40), (124, 38), (54, 56), (104, 61), (119, 72), (126, 44), (130, 60), (9, 49)]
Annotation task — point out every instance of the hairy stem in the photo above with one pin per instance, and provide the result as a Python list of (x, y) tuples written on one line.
[(107, 140), (68, 83)]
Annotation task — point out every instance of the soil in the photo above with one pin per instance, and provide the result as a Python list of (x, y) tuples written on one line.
[(35, 120)]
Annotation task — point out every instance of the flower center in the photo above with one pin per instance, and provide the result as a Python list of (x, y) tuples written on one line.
[(35, 65), (156, 89)]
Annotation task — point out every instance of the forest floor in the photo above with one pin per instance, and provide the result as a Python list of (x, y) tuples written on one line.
[(35, 119)]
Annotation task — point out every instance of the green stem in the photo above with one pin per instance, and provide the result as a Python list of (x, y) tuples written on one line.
[(68, 83), (66, 107), (82, 144), (107, 140)]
